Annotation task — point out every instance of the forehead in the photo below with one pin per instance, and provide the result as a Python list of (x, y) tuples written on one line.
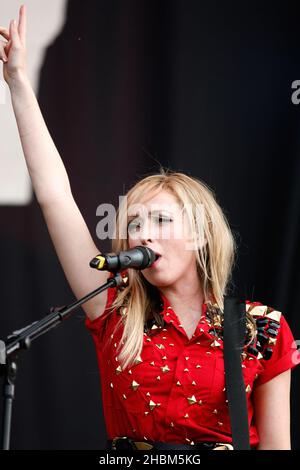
[(163, 200)]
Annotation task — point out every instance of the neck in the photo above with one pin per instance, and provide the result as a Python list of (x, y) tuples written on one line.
[(187, 295)]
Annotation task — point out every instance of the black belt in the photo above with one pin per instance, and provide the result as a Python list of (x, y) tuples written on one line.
[(126, 443)]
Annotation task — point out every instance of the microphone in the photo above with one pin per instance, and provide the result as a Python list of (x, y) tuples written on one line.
[(136, 258)]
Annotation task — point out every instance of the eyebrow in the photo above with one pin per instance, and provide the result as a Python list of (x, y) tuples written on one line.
[(155, 212)]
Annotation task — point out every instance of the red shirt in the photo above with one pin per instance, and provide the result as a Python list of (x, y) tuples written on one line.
[(176, 392)]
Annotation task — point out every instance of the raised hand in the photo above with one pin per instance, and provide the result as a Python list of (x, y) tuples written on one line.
[(13, 48)]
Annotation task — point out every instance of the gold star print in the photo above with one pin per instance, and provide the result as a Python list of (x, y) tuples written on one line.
[(272, 341), (152, 363), (172, 425), (154, 327), (198, 366), (152, 405), (248, 389), (220, 423), (178, 383), (112, 385), (194, 383), (123, 313), (118, 370), (215, 412), (160, 346), (124, 396), (215, 344), (171, 344), (200, 402), (164, 357), (187, 358), (165, 368), (186, 415), (148, 394), (134, 385), (260, 356), (192, 400), (148, 339), (130, 371), (158, 377), (274, 315), (185, 370), (138, 360)]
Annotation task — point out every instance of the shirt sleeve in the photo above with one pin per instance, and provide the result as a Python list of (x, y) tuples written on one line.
[(285, 355)]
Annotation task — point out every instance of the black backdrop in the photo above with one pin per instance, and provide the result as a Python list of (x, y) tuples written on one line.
[(200, 87)]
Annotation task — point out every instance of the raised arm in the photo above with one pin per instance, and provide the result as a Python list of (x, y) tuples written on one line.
[(69, 233)]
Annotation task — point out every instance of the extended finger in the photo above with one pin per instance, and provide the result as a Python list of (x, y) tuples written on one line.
[(14, 35), (4, 32), (22, 24)]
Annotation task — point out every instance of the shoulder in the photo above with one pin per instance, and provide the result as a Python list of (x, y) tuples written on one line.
[(110, 315), (259, 310), (268, 324), (274, 344)]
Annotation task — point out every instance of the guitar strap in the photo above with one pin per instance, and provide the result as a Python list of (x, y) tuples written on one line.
[(234, 339)]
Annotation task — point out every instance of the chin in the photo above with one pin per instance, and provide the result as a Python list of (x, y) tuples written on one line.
[(158, 280)]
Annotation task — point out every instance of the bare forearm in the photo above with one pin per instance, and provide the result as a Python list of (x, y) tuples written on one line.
[(47, 171)]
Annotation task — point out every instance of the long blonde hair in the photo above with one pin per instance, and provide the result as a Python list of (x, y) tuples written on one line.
[(214, 260)]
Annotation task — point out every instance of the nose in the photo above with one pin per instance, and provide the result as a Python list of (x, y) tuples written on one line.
[(145, 233)]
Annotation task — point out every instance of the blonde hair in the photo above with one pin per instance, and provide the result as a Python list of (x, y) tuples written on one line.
[(215, 259)]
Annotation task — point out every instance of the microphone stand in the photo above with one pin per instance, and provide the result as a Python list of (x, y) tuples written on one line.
[(22, 339)]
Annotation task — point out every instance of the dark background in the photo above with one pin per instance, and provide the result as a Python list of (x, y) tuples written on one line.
[(199, 87)]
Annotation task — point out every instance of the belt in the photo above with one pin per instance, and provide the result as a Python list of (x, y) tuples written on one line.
[(126, 443)]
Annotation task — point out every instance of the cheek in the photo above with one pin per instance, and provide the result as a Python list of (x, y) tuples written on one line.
[(133, 242), (178, 252)]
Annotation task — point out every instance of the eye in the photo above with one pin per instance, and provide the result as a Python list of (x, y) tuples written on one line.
[(134, 225), (162, 219)]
